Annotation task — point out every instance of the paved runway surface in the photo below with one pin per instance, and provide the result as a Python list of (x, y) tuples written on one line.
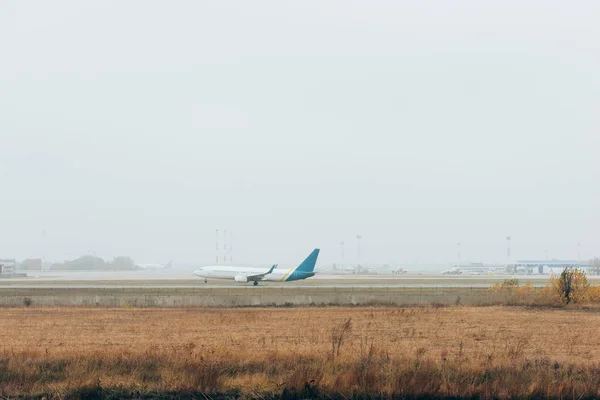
[(173, 279), (178, 288), (274, 286)]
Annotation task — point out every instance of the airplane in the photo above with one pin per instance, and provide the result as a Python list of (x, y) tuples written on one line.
[(452, 271), (400, 270), (154, 266), (255, 275)]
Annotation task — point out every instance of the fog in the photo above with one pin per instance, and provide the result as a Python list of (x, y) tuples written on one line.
[(138, 128)]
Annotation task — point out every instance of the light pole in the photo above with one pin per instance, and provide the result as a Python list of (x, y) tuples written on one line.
[(231, 247), (508, 252), (458, 253), (43, 248), (342, 248), (217, 248), (358, 237)]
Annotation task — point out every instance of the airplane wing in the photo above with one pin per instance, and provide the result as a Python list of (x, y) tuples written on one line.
[(259, 277)]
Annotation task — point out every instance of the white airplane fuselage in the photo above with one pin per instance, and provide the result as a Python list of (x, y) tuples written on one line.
[(231, 272), (253, 274)]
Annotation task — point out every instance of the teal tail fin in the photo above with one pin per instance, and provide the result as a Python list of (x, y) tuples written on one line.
[(308, 265)]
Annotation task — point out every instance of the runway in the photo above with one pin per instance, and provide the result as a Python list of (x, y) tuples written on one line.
[(178, 288), (183, 279), (274, 285)]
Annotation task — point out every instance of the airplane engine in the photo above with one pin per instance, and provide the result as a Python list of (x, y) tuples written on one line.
[(240, 278)]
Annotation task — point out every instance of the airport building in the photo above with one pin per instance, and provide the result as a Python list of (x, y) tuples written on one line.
[(7, 266), (545, 266)]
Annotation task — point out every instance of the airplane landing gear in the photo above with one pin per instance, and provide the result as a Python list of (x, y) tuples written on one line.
[(205, 281), (255, 283)]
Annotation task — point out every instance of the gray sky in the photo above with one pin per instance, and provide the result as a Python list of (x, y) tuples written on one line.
[(137, 128)]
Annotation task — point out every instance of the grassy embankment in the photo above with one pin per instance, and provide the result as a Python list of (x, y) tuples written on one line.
[(492, 352), (248, 296)]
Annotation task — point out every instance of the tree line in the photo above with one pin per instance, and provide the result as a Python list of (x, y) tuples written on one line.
[(93, 263)]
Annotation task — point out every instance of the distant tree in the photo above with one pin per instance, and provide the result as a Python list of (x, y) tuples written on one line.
[(31, 264), (594, 266), (571, 286), (122, 263), (85, 263)]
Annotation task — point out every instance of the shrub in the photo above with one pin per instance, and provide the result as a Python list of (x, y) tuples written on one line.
[(594, 294), (526, 294), (510, 283), (548, 296), (571, 285)]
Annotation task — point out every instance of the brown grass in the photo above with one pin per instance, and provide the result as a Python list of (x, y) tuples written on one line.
[(490, 352)]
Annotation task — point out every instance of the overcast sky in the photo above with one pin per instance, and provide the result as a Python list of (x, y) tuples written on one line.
[(138, 128)]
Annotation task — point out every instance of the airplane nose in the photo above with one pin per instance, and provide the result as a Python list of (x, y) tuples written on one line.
[(196, 272)]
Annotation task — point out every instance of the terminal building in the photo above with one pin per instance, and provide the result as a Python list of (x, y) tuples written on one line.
[(545, 266)]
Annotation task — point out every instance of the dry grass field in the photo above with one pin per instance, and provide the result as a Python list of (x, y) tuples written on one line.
[(485, 352)]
